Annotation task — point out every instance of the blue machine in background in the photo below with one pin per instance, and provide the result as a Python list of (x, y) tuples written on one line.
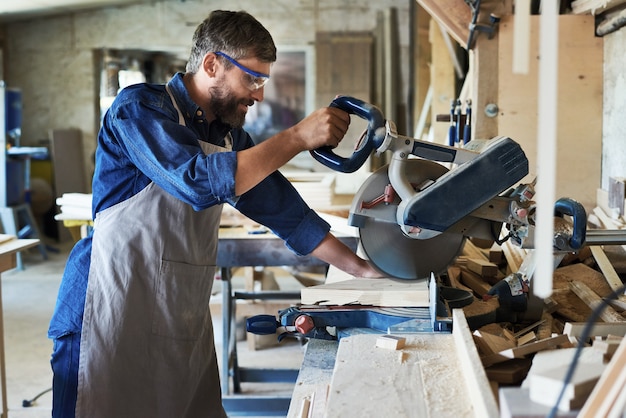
[(15, 181), (13, 116)]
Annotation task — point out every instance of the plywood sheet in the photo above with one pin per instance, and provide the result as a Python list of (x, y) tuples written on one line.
[(426, 378), (579, 125), (378, 292)]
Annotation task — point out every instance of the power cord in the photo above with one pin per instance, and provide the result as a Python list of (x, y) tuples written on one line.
[(595, 314), (26, 403)]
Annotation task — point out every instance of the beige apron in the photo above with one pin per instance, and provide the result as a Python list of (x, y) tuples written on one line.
[(147, 347)]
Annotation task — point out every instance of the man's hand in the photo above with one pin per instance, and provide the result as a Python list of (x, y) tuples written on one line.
[(324, 127), (334, 252)]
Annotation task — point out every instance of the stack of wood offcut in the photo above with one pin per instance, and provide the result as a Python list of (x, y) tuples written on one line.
[(528, 360)]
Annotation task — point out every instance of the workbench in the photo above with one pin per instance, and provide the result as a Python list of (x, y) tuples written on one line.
[(434, 374), (239, 248), (9, 247)]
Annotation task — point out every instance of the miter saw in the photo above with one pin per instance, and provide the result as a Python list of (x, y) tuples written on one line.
[(414, 215)]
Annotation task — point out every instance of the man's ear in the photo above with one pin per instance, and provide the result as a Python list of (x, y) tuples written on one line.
[(209, 64)]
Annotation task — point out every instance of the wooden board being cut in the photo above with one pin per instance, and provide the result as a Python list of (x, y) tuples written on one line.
[(377, 292), (428, 377)]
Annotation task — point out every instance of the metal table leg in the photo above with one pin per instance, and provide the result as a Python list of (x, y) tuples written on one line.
[(226, 328)]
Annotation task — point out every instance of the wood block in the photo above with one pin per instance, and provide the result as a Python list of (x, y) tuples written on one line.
[(496, 255), (490, 344), (515, 403), (526, 338), (482, 267), (545, 386), (390, 342), (475, 282), (575, 329), (607, 347), (509, 372)]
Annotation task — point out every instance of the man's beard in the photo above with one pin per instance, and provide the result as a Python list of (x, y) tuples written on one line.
[(225, 106)]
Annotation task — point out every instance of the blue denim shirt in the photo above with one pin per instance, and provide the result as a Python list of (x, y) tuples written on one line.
[(141, 141)]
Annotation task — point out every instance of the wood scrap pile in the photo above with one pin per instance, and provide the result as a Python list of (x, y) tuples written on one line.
[(508, 348)]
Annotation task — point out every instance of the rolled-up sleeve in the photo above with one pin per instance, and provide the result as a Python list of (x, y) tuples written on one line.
[(276, 204)]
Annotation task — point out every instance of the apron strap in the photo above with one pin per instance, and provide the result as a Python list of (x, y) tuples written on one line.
[(228, 139)]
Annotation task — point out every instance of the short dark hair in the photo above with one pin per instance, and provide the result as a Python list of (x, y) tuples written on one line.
[(237, 34)]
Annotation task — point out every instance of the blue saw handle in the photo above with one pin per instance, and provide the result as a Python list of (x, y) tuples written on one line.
[(372, 140), (567, 206)]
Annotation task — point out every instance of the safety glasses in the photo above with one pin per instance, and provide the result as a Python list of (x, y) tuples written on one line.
[(254, 80)]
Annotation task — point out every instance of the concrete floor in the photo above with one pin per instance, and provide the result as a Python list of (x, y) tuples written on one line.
[(28, 298)]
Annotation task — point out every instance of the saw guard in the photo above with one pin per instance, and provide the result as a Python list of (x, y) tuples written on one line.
[(382, 240)]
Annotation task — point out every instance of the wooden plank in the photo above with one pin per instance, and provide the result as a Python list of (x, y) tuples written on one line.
[(476, 381), (483, 61), (612, 278), (17, 245), (599, 329), (442, 81), (475, 282), (421, 61), (377, 292), (471, 250), (546, 385), (514, 256), (527, 338), (607, 221), (520, 352), (454, 16), (609, 389), (593, 301), (6, 237), (414, 381)]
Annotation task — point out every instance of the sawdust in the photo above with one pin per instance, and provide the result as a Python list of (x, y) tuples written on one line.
[(481, 307), (479, 312), (571, 306)]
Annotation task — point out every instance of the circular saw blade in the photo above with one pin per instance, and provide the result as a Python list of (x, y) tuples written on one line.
[(388, 248)]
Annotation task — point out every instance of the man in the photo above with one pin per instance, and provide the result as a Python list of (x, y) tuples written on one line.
[(132, 330)]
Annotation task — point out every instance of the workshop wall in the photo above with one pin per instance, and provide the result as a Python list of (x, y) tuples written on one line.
[(52, 61), (614, 105)]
